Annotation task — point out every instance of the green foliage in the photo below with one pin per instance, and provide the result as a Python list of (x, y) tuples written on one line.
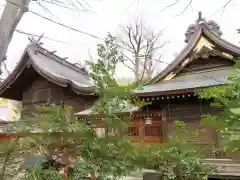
[(37, 173), (115, 151), (177, 159), (226, 97), (9, 159), (54, 133), (51, 131)]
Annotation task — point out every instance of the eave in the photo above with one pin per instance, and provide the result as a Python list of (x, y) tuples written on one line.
[(186, 83), (89, 113)]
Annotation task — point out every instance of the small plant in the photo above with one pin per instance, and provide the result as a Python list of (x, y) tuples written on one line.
[(176, 159)]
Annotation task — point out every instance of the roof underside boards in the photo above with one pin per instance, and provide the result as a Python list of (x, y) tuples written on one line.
[(202, 30), (188, 81), (59, 70)]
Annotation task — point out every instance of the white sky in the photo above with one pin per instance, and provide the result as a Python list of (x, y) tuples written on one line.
[(112, 13)]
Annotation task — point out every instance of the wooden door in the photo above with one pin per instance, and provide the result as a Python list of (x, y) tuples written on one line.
[(152, 133), (134, 131), (147, 134)]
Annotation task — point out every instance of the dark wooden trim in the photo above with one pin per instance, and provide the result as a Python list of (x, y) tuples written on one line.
[(164, 93), (130, 114)]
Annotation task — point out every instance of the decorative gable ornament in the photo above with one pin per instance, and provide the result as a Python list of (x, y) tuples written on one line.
[(212, 25)]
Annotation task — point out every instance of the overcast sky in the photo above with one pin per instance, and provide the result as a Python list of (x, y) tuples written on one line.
[(110, 14)]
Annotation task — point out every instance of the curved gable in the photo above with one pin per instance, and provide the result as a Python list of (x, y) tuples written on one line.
[(204, 41)]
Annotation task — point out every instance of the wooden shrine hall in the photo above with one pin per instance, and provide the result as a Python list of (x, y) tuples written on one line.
[(43, 77), (205, 61)]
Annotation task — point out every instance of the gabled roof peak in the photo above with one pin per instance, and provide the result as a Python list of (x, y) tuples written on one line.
[(200, 36), (192, 28)]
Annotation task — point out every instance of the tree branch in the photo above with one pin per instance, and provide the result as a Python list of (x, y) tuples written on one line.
[(170, 5), (156, 62), (143, 42), (133, 63), (188, 5), (223, 7), (129, 67), (131, 5), (130, 39)]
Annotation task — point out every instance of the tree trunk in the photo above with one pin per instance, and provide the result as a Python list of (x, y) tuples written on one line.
[(12, 14), (137, 74)]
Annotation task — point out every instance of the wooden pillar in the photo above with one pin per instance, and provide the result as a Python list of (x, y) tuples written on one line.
[(141, 130), (164, 124), (165, 121)]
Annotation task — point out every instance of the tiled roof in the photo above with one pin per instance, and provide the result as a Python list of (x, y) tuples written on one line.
[(189, 81), (53, 68), (60, 68)]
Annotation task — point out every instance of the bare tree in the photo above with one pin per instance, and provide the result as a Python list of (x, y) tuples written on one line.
[(140, 46)]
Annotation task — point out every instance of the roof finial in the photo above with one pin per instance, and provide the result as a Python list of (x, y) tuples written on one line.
[(200, 16), (212, 25)]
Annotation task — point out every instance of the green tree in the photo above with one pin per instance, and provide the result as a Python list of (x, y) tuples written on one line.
[(226, 97), (111, 156), (66, 142)]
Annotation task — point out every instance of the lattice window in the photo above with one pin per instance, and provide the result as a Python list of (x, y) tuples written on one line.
[(152, 131), (133, 131), (27, 96), (42, 95), (110, 131)]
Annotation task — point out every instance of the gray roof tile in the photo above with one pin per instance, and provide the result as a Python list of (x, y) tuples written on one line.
[(59, 68), (189, 81)]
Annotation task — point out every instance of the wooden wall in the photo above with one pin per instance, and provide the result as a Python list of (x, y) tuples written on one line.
[(206, 63), (191, 110), (43, 91)]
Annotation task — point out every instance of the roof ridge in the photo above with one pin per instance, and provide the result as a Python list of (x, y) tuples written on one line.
[(44, 51)]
